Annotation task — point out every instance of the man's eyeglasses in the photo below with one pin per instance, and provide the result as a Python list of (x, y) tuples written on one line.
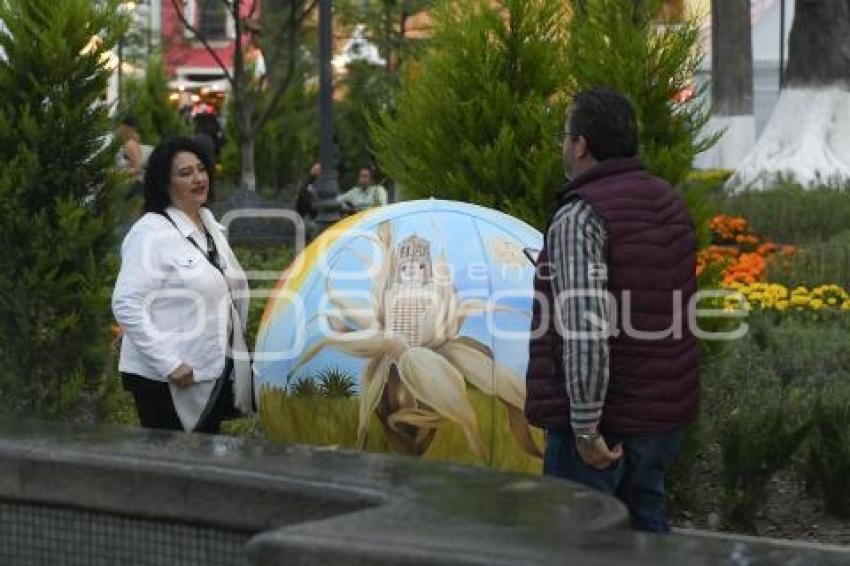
[(563, 136)]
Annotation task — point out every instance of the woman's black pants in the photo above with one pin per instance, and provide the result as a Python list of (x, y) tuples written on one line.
[(156, 408)]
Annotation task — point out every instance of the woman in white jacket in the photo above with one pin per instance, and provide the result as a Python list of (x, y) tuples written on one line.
[(182, 300)]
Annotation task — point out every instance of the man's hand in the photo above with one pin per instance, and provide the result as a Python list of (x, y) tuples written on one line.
[(183, 376), (595, 453)]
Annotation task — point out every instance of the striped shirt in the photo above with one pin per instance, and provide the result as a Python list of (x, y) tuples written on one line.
[(577, 240)]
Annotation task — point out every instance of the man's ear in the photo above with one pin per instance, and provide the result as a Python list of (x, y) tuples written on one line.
[(582, 147)]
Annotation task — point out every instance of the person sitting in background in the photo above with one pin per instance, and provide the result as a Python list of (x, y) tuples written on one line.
[(366, 194), (305, 203)]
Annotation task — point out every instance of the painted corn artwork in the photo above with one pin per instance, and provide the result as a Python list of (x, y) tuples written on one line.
[(424, 306)]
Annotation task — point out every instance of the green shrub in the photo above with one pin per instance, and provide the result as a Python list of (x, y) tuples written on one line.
[(334, 382), (272, 260), (285, 148), (303, 387), (478, 115), (760, 402), (815, 263), (757, 440), (828, 465), (619, 43), (146, 99), (699, 190), (57, 223), (369, 90), (791, 214)]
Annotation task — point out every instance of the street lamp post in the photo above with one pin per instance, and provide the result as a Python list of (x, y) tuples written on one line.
[(328, 180)]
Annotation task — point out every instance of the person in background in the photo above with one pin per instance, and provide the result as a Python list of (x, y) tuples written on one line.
[(305, 202), (207, 143), (366, 194), (207, 124), (132, 155), (181, 299), (613, 375)]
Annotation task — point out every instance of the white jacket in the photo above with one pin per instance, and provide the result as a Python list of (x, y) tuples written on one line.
[(174, 307)]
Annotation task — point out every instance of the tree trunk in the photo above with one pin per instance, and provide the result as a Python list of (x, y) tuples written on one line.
[(731, 58), (819, 50), (808, 136), (731, 84), (248, 176)]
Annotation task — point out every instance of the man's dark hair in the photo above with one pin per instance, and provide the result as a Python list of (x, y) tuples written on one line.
[(158, 171), (606, 119), (129, 120)]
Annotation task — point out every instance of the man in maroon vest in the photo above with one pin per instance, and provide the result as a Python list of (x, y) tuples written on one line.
[(612, 374)]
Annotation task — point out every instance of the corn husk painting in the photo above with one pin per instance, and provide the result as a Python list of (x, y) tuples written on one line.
[(405, 329)]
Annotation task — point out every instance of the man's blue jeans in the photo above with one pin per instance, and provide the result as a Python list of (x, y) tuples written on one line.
[(637, 479)]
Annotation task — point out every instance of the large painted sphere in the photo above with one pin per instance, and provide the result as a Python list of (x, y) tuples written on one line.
[(405, 328)]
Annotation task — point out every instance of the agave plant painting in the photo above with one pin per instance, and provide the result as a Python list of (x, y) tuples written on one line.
[(422, 301)]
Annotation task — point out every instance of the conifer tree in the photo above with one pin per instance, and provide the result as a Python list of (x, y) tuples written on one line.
[(626, 45), (146, 99), (478, 115), (56, 205)]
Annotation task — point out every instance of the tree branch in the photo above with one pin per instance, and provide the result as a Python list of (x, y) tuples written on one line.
[(310, 7), (204, 42), (295, 22)]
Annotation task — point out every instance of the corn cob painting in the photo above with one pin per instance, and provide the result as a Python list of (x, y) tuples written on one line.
[(423, 304)]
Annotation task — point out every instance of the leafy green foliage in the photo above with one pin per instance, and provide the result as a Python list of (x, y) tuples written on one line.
[(757, 442), (477, 117), (828, 464), (386, 22), (57, 189), (270, 261), (285, 148), (146, 99), (369, 90), (815, 264), (620, 44), (762, 405), (334, 382), (303, 387), (788, 213)]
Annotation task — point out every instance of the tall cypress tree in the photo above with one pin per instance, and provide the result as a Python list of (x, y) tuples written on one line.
[(626, 45), (56, 204), (146, 99), (478, 116)]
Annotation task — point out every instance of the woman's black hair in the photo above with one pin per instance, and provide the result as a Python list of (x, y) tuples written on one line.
[(158, 171)]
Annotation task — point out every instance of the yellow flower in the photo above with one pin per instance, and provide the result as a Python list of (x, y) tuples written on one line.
[(799, 300), (832, 301), (800, 291), (778, 291), (783, 305), (845, 306), (816, 304)]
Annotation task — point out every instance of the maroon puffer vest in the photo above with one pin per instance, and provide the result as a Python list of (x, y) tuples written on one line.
[(654, 385)]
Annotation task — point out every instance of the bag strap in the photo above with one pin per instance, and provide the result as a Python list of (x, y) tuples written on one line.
[(228, 362), (211, 247), (211, 243)]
